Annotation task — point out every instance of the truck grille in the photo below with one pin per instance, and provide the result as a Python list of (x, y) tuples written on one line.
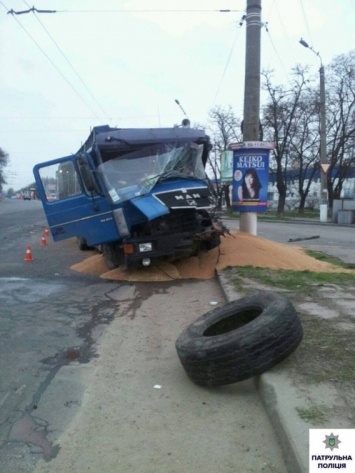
[(178, 221)]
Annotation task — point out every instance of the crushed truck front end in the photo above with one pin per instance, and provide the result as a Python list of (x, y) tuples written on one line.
[(139, 195)]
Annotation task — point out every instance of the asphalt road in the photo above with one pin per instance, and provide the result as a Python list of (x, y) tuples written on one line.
[(50, 317)]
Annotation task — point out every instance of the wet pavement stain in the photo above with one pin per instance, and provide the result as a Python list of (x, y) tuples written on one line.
[(102, 314), (142, 292), (32, 430), (73, 354), (27, 430), (92, 315)]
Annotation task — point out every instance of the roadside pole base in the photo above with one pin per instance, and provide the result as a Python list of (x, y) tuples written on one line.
[(323, 212), (248, 222)]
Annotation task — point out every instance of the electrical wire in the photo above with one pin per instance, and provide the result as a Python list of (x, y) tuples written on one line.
[(274, 5), (1, 3), (228, 60), (150, 11), (67, 130), (69, 63), (306, 22), (14, 117), (34, 9), (46, 131), (275, 50), (53, 64)]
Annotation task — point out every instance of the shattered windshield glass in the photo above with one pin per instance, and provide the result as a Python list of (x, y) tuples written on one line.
[(137, 173)]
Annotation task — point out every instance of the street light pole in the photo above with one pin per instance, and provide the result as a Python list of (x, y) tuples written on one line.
[(323, 139)]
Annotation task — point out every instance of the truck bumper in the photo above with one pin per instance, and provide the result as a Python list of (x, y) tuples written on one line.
[(172, 247)]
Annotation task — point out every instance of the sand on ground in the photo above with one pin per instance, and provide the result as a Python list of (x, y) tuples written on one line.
[(236, 249)]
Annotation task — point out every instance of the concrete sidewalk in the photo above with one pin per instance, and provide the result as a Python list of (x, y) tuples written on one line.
[(133, 409), (312, 389)]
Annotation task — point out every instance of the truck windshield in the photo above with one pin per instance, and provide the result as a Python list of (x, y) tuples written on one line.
[(136, 173)]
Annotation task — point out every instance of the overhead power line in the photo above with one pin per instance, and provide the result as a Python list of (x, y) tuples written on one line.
[(58, 70), (54, 65), (305, 20), (274, 48), (229, 57), (151, 11), (69, 63), (35, 10)]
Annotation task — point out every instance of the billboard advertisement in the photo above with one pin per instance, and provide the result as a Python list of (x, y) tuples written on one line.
[(250, 176)]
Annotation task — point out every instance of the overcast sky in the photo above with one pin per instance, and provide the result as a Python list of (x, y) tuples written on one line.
[(124, 62)]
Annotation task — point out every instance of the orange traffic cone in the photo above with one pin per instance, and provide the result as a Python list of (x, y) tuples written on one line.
[(28, 256), (43, 241), (46, 232)]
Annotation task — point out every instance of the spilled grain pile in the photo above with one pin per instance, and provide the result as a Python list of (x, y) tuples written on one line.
[(236, 249)]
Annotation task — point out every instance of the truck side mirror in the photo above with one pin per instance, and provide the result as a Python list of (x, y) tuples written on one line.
[(87, 176)]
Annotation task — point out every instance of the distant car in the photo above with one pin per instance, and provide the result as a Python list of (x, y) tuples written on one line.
[(26, 197)]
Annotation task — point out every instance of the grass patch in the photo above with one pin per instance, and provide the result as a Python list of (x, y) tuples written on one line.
[(271, 214), (288, 279), (329, 259), (312, 415)]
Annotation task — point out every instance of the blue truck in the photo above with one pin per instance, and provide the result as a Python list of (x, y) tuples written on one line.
[(139, 195)]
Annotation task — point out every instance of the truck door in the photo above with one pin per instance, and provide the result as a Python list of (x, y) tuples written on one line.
[(73, 202)]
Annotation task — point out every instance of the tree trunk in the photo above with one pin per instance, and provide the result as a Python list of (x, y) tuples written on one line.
[(281, 187), (281, 205), (302, 203)]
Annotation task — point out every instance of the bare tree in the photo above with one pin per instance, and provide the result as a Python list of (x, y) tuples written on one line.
[(305, 144), (224, 127), (4, 157), (340, 88), (280, 118)]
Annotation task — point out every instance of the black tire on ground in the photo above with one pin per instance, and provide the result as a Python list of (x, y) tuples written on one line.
[(83, 244), (113, 255), (244, 338)]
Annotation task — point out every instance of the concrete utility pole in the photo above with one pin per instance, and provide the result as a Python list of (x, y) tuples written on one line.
[(251, 121)]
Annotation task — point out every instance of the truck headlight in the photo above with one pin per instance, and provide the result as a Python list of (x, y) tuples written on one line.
[(144, 247)]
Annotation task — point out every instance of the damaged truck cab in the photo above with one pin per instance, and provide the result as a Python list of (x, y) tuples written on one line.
[(139, 195)]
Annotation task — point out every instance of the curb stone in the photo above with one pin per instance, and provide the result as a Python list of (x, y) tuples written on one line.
[(279, 398)]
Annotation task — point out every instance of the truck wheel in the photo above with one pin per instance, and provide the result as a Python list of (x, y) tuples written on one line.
[(113, 255), (244, 338), (83, 244)]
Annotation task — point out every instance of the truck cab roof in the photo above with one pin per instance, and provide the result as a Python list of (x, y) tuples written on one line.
[(122, 140)]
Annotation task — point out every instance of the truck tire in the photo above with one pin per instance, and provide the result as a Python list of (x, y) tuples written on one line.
[(244, 338), (113, 255), (83, 244)]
